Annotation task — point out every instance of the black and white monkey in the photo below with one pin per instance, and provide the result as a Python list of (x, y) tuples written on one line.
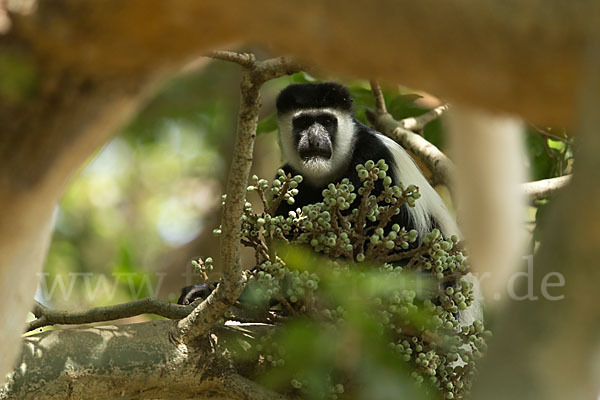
[(322, 141)]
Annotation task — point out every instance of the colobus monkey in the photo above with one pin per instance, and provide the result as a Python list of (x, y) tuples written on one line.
[(323, 142)]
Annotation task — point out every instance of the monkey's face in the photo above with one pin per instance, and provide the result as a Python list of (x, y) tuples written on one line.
[(316, 142), (314, 135)]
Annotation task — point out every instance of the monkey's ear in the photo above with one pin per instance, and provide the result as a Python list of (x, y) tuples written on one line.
[(193, 292)]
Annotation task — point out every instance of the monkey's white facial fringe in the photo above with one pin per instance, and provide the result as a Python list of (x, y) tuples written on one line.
[(316, 166), (318, 170)]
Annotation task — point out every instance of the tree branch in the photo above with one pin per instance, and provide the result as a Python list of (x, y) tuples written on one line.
[(254, 75), (143, 362), (443, 168), (554, 29), (410, 123), (46, 316), (276, 67), (544, 188), (246, 60), (418, 123), (437, 162), (380, 107)]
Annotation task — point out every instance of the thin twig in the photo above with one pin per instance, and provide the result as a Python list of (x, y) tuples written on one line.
[(549, 135), (361, 218), (410, 123), (276, 67), (46, 316), (263, 198), (418, 123), (380, 107), (277, 200), (246, 60)]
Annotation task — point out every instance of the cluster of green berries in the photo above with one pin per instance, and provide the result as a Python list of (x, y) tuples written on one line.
[(282, 186), (316, 229), (397, 239), (341, 195), (332, 391), (271, 279), (354, 223), (336, 225), (203, 266), (273, 352), (443, 352), (371, 172)]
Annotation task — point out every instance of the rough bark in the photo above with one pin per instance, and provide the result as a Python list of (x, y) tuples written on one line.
[(138, 361)]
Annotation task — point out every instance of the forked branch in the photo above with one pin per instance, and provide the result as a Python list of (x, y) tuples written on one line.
[(254, 75), (439, 164)]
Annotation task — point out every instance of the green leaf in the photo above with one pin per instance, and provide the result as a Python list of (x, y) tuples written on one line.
[(556, 144), (303, 77), (434, 133), (267, 125), (403, 106), (540, 161)]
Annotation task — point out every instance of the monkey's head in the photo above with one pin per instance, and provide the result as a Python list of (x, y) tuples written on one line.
[(316, 129)]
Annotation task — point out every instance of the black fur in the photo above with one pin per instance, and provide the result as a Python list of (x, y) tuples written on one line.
[(193, 292), (314, 95)]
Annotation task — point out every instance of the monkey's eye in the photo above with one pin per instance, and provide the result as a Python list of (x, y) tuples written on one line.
[(302, 122), (327, 120)]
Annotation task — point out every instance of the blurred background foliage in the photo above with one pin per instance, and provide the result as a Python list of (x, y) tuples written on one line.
[(146, 204)]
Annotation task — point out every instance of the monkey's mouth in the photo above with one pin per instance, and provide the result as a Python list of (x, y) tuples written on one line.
[(314, 153)]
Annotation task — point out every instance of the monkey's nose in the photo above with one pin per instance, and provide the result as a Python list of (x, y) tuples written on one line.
[(318, 137), (316, 144)]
